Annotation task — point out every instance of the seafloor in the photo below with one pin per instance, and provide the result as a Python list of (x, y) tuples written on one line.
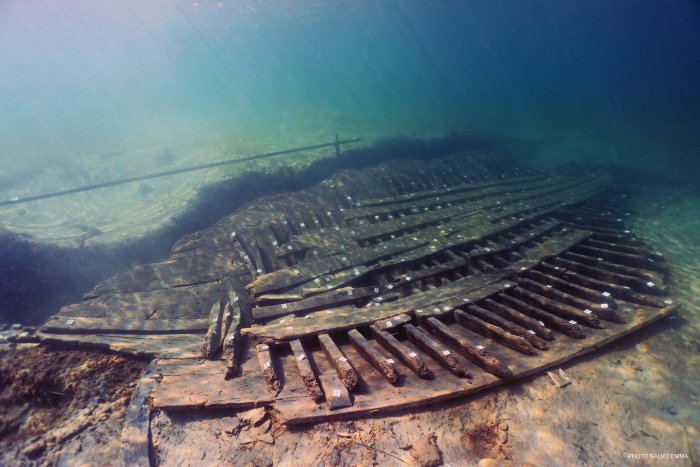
[(631, 400)]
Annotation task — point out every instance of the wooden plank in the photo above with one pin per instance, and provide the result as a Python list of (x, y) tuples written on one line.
[(555, 307), (528, 323), (147, 345), (233, 341), (307, 374), (78, 325), (135, 436), (212, 340), (345, 371), (480, 356), (493, 318), (494, 332), (436, 350), (272, 380), (544, 317), (384, 365), (337, 395), (334, 298), (406, 355)]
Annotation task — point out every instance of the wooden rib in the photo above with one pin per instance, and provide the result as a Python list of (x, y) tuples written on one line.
[(403, 353), (345, 371), (381, 363), (478, 356), (270, 376), (558, 308), (212, 340), (337, 395), (546, 318), (436, 350), (528, 323), (591, 295), (307, 374), (625, 259), (599, 270), (601, 310), (507, 326), (615, 290), (233, 341)]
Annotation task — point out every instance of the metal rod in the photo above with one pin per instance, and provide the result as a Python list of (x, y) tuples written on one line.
[(139, 178)]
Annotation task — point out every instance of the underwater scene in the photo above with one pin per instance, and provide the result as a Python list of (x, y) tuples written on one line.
[(349, 232)]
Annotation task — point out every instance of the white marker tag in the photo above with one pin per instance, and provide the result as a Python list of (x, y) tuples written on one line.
[(233, 235), (245, 258), (446, 308), (541, 323), (556, 268), (302, 225), (267, 365), (389, 286), (289, 247), (420, 311), (413, 355), (259, 271), (301, 357), (531, 331), (465, 299), (282, 321), (603, 305), (336, 393), (548, 286), (572, 322), (24, 334), (343, 359), (317, 280), (389, 324), (445, 352), (235, 299), (349, 292), (606, 294), (328, 213), (285, 222), (289, 328), (627, 231), (264, 347), (587, 311), (315, 253), (69, 322), (315, 221), (343, 259), (650, 284), (274, 242), (296, 271), (357, 273), (376, 290), (668, 302), (390, 361), (408, 278), (480, 347)]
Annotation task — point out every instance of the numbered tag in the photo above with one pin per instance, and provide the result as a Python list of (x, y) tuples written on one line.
[(446, 352), (480, 347), (413, 355), (572, 322)]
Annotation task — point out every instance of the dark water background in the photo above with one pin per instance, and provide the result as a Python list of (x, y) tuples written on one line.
[(604, 80)]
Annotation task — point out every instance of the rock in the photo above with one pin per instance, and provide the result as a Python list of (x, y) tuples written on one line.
[(335, 457), (503, 437), (267, 438), (254, 416), (425, 451), (404, 444), (34, 449), (503, 426), (245, 439)]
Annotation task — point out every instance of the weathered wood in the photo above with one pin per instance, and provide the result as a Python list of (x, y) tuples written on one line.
[(345, 371), (78, 325), (477, 355), (337, 395), (494, 332), (528, 323), (305, 370), (438, 351), (384, 365), (212, 340), (135, 436), (269, 373), (544, 317), (233, 340), (601, 310), (560, 309), (514, 329), (406, 355), (334, 298)]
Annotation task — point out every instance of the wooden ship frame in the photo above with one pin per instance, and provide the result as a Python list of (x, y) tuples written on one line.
[(380, 288)]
